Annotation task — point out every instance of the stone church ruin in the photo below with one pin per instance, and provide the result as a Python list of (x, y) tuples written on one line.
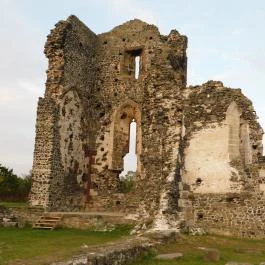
[(199, 148)]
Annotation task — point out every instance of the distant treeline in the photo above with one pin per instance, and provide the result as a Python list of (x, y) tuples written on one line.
[(12, 187)]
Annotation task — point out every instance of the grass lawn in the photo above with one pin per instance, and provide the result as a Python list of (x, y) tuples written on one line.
[(231, 249), (27, 246), (14, 204)]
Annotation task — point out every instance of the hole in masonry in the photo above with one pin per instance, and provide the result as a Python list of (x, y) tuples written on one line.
[(199, 216), (198, 181), (123, 116)]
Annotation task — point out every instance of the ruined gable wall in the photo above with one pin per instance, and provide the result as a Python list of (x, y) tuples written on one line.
[(70, 50), (78, 120), (47, 119), (221, 188), (213, 117), (87, 81), (157, 92)]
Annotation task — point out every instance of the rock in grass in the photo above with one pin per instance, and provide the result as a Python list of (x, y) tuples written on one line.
[(237, 263), (211, 254), (169, 256)]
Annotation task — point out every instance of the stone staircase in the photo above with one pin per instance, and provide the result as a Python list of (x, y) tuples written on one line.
[(47, 222)]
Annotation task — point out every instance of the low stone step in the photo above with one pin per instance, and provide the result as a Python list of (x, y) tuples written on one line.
[(47, 222), (51, 218), (43, 227)]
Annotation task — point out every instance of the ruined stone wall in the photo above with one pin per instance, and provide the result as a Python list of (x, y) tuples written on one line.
[(44, 155), (238, 214), (199, 149), (91, 80), (152, 100), (78, 121), (215, 123), (70, 49), (222, 145)]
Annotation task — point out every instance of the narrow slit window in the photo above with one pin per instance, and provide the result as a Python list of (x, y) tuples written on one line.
[(132, 64), (137, 66)]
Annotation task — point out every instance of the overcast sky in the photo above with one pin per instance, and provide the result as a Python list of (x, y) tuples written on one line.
[(226, 42)]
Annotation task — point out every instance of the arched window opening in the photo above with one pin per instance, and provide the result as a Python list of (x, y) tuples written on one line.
[(131, 66), (130, 159), (233, 122), (245, 144), (263, 143), (137, 67)]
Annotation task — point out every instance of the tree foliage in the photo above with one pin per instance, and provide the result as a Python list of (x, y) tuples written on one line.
[(12, 187), (127, 182)]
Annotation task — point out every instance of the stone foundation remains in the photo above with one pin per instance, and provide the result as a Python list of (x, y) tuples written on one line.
[(199, 148)]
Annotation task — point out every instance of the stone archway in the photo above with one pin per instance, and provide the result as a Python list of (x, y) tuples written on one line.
[(120, 135)]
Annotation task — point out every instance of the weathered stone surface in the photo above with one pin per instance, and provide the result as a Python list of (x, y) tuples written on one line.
[(19, 216), (104, 221), (169, 256), (119, 253), (7, 217), (199, 148)]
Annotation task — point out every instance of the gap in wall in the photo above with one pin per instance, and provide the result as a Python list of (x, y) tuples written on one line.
[(137, 66), (130, 159)]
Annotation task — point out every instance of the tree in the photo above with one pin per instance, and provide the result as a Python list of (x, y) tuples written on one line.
[(12, 187), (25, 185), (127, 181), (9, 182)]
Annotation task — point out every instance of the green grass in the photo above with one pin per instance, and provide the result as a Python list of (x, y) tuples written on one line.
[(28, 246), (14, 204), (231, 249)]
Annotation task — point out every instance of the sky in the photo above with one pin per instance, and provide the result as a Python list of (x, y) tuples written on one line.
[(226, 41)]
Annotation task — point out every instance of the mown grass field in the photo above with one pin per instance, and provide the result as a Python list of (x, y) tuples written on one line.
[(231, 249), (14, 204), (36, 247)]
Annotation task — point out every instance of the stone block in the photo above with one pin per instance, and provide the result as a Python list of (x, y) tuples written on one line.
[(10, 224), (170, 256), (237, 263)]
